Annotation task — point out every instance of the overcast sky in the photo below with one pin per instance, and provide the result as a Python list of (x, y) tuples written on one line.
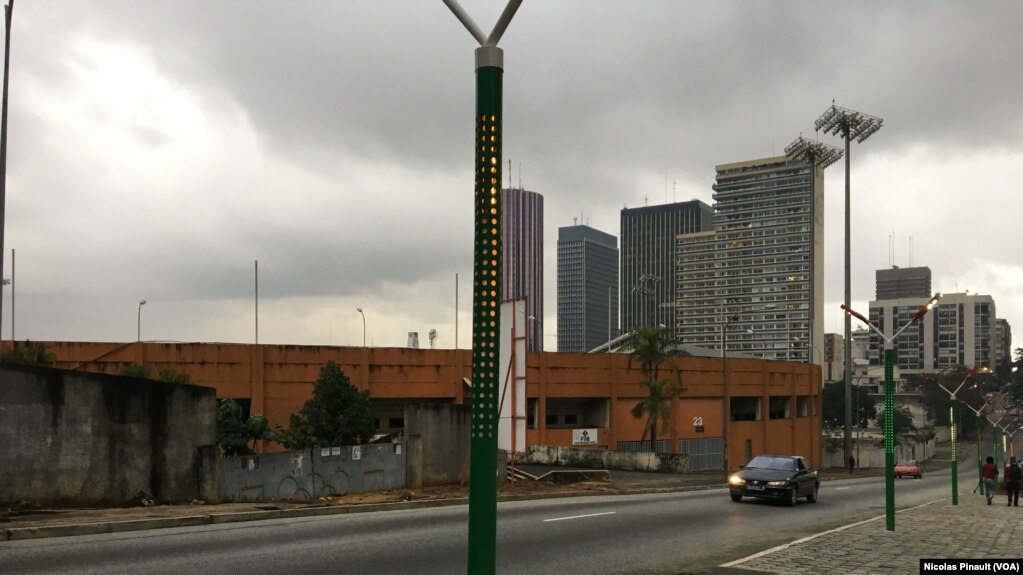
[(158, 148)]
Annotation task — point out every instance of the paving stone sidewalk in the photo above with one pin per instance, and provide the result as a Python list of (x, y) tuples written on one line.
[(970, 530)]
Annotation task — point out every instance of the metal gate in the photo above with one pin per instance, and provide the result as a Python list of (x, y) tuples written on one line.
[(661, 446), (704, 454)]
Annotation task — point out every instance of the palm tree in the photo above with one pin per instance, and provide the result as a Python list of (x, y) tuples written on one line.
[(650, 346)]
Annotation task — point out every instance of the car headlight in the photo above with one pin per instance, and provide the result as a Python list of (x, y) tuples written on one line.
[(735, 479), (777, 483)]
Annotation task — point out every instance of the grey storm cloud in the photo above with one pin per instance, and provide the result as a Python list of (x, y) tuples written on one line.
[(354, 120)]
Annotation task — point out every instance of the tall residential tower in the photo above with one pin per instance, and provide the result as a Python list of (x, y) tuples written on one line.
[(761, 266)]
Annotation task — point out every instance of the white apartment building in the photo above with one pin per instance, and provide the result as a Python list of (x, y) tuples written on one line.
[(959, 331)]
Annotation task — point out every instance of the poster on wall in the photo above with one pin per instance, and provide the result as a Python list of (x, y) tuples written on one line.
[(584, 436)]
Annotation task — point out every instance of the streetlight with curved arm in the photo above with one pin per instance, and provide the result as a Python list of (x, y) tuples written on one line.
[(978, 413), (727, 320), (359, 309), (138, 335)]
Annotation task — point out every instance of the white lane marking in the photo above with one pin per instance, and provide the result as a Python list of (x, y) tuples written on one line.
[(840, 488), (579, 516)]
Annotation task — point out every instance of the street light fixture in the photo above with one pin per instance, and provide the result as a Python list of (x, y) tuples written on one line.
[(889, 400), (727, 320), (142, 302), (953, 415), (8, 14), (359, 309), (819, 156), (848, 124), (977, 412)]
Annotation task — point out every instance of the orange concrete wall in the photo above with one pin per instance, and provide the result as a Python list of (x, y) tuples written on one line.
[(279, 379)]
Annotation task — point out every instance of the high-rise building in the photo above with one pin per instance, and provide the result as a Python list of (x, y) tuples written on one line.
[(959, 331), (898, 283), (834, 357), (522, 269), (761, 267), (587, 288), (1003, 349), (648, 258)]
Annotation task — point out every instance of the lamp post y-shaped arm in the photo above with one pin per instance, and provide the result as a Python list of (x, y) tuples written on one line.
[(889, 402)]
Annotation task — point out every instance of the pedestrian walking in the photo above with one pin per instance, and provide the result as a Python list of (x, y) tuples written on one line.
[(852, 463), (990, 473), (1012, 477)]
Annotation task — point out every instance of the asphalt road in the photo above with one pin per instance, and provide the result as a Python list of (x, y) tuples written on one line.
[(667, 533)]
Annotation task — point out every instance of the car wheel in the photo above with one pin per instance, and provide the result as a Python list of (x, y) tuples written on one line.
[(736, 497), (812, 497), (793, 496), (919, 476)]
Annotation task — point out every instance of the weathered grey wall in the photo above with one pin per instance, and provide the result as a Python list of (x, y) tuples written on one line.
[(76, 438), (439, 437), (312, 473), (606, 459)]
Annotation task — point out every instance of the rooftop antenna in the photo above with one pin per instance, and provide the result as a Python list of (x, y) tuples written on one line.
[(673, 182), (509, 174), (520, 175), (910, 251), (575, 221)]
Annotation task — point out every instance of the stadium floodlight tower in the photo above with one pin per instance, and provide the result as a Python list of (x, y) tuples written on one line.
[(486, 290), (849, 125), (817, 155)]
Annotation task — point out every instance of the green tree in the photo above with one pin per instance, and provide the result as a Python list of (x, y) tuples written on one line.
[(833, 405), (237, 437), (28, 353), (144, 372), (903, 422), (337, 414), (650, 346)]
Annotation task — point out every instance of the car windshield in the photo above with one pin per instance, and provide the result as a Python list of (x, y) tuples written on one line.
[(769, 462), (909, 462)]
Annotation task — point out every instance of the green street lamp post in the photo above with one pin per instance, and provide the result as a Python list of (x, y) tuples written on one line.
[(977, 413), (889, 403), (486, 290), (952, 417)]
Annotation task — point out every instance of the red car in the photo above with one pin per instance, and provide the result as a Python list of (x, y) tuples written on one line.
[(909, 468)]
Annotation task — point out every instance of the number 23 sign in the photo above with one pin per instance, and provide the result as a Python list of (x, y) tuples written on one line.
[(698, 424)]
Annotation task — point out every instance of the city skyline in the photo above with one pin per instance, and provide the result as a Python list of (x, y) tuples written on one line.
[(156, 151)]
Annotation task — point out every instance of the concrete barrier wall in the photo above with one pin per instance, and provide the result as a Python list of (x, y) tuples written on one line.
[(75, 438), (438, 437), (607, 459), (312, 473)]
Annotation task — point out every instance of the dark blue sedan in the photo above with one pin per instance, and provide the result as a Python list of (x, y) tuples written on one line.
[(780, 477)]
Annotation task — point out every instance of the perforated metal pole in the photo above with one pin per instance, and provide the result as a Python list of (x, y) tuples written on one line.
[(486, 322), (486, 291), (889, 437)]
